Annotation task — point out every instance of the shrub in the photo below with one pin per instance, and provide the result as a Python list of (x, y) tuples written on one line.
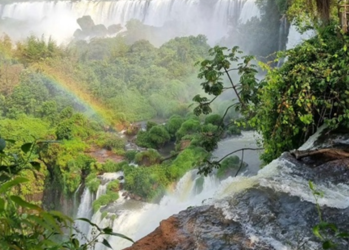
[(214, 119), (173, 124), (147, 158), (234, 129), (143, 140), (104, 200), (158, 136), (113, 186), (150, 124), (92, 182), (112, 167), (188, 127), (154, 137), (130, 155)]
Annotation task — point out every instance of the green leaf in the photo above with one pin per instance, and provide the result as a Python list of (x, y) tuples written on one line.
[(121, 236), (316, 232), (8, 185), (75, 242), (106, 243), (10, 140), (2, 204), (107, 230), (26, 147), (51, 222), (61, 215), (311, 185), (327, 244), (89, 222), (19, 201), (2, 144), (35, 165)]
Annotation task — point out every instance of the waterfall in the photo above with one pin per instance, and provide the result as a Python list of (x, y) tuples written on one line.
[(181, 17), (84, 211), (136, 219), (85, 208)]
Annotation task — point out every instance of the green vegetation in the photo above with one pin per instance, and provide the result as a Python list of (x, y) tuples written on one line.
[(287, 106), (25, 225), (111, 195), (148, 157), (150, 182), (312, 90), (75, 97)]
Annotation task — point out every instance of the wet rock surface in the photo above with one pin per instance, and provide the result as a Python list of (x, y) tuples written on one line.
[(198, 228)]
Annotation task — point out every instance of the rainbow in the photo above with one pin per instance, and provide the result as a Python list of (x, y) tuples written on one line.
[(92, 107)]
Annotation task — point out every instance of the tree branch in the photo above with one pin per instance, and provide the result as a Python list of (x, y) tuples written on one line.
[(241, 162), (234, 87), (241, 149)]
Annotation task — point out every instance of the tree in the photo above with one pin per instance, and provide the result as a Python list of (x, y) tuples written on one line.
[(292, 101)]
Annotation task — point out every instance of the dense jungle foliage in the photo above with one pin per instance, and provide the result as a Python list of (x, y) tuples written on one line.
[(59, 105)]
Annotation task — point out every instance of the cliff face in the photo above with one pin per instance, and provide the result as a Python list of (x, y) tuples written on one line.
[(277, 210)]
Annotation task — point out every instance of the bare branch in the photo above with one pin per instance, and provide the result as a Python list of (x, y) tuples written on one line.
[(234, 87), (241, 149), (241, 162)]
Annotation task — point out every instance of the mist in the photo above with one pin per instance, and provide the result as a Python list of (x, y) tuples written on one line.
[(57, 19)]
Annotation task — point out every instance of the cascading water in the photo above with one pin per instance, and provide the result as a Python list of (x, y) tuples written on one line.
[(181, 17), (84, 211), (85, 208), (144, 218), (136, 219)]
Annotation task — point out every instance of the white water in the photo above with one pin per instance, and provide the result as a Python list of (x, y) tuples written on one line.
[(183, 17), (84, 211), (85, 208)]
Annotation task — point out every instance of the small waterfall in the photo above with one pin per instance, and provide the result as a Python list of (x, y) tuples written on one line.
[(283, 32), (75, 199), (85, 208), (136, 219), (84, 211)]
